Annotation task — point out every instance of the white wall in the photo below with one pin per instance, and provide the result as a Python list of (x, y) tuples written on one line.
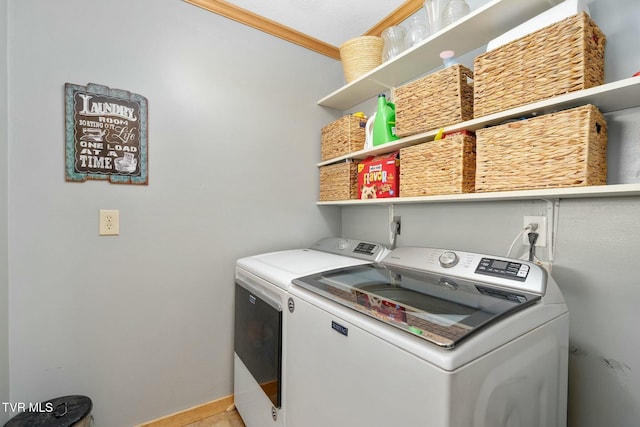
[(4, 274), (597, 247), (142, 322)]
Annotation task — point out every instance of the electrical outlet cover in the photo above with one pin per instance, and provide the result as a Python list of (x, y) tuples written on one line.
[(541, 230), (109, 224)]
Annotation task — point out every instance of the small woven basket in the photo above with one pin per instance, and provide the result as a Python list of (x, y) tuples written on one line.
[(360, 55), (343, 136), (564, 57), (339, 181), (446, 166), (434, 101), (562, 149)]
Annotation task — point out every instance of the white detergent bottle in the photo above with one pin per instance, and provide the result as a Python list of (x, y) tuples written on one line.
[(368, 132)]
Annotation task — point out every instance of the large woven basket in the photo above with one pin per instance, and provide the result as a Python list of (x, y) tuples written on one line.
[(360, 55), (343, 136), (339, 181), (446, 166), (434, 101), (564, 57), (562, 149)]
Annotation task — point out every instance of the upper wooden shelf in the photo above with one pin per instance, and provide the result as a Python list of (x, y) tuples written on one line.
[(472, 31), (608, 98)]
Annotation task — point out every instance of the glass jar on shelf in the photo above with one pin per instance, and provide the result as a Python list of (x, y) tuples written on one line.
[(434, 10), (454, 10), (418, 31), (394, 42)]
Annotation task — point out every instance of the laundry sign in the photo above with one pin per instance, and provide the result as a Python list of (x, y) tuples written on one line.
[(106, 134)]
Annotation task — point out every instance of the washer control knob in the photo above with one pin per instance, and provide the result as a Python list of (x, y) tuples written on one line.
[(448, 259), (343, 244)]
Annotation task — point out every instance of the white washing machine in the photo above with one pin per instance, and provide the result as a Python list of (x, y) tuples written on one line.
[(261, 320), (428, 337)]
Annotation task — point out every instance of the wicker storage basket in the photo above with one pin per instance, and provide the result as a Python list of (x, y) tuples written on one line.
[(446, 166), (564, 57), (343, 136), (338, 181), (431, 102), (360, 55), (562, 149)]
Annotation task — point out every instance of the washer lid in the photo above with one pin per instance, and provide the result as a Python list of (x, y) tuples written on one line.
[(438, 308)]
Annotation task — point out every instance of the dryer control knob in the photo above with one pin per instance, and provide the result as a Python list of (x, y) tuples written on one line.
[(448, 259)]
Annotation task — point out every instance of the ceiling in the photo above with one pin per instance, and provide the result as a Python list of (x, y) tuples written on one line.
[(319, 25)]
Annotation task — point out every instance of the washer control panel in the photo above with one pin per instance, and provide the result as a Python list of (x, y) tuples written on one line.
[(481, 268), (501, 268)]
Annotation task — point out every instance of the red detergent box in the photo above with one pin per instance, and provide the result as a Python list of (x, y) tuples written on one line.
[(379, 177)]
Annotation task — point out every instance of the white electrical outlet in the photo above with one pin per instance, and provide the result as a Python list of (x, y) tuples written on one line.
[(541, 230), (109, 224)]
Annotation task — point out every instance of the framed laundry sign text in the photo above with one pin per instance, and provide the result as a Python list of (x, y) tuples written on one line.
[(106, 135)]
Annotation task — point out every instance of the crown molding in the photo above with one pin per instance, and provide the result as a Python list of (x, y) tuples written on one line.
[(268, 26)]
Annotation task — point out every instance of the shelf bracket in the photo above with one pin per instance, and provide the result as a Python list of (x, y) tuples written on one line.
[(389, 87)]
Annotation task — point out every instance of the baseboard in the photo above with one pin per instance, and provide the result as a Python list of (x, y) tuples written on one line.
[(192, 415)]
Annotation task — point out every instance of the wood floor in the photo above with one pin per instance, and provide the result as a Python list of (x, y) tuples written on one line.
[(223, 419)]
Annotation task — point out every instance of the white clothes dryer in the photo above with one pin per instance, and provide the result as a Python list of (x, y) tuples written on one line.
[(261, 319)]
